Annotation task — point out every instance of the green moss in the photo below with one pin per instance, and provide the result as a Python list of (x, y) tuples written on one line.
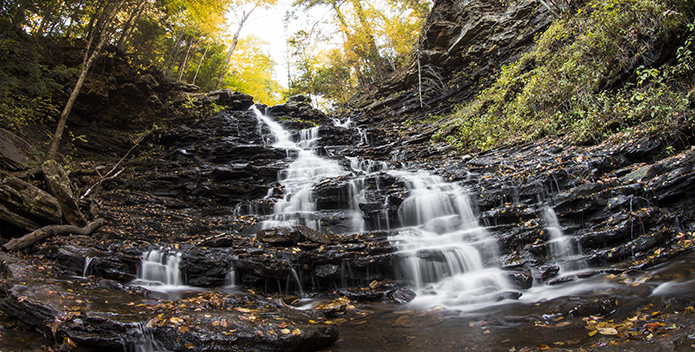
[(573, 81)]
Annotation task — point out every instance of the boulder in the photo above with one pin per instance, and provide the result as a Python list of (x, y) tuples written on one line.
[(15, 153)]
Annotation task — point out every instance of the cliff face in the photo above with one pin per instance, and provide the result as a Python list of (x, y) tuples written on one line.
[(462, 46)]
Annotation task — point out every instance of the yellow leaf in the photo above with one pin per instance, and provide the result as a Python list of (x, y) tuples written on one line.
[(285, 331), (296, 332), (592, 333)]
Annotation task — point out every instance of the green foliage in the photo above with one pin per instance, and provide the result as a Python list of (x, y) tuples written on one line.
[(376, 37), (572, 81), (27, 88)]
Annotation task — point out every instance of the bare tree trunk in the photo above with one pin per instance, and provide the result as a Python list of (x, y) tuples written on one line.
[(235, 40), (45, 232), (129, 24), (200, 63), (172, 53), (182, 68), (99, 28), (53, 148)]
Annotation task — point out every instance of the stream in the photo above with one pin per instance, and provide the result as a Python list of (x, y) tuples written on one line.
[(503, 278), (463, 303)]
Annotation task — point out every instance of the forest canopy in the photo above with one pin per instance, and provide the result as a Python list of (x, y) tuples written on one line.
[(200, 42)]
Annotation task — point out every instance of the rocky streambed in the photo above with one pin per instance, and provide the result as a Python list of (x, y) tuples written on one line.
[(591, 243)]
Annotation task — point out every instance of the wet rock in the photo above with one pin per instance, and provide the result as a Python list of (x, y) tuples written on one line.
[(278, 235), (233, 100), (206, 267), (222, 240), (209, 322), (360, 295), (15, 153), (327, 271), (501, 296), (431, 255), (641, 148), (519, 279), (298, 110), (596, 306), (89, 261), (402, 295), (545, 272), (313, 235), (644, 173)]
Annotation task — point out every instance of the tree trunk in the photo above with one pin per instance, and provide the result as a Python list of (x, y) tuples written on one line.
[(129, 25), (182, 68), (98, 27), (373, 52), (53, 148), (235, 40), (45, 232), (172, 53), (200, 63)]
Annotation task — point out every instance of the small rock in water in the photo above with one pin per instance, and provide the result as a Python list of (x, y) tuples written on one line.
[(282, 234), (545, 272), (402, 295)]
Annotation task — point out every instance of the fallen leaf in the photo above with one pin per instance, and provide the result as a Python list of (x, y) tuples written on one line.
[(608, 331)]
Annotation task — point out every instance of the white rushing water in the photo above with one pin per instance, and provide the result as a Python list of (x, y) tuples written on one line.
[(443, 247), (298, 206), (159, 271), (561, 248)]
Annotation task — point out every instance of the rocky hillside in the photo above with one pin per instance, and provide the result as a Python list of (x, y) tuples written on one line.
[(196, 176), (461, 49)]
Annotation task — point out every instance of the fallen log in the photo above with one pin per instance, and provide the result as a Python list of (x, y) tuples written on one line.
[(51, 230)]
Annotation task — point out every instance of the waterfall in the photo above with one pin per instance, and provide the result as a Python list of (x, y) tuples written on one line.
[(85, 269), (443, 247), (230, 278), (568, 255), (159, 271), (144, 340), (298, 206)]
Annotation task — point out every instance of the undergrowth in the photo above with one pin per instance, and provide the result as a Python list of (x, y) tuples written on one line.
[(612, 65), (28, 88)]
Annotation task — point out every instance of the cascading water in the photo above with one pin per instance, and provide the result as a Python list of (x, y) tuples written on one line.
[(230, 278), (443, 245), (298, 207), (159, 271), (85, 269), (144, 340), (561, 249)]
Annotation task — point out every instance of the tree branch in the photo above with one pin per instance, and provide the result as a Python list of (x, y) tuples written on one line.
[(49, 231)]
